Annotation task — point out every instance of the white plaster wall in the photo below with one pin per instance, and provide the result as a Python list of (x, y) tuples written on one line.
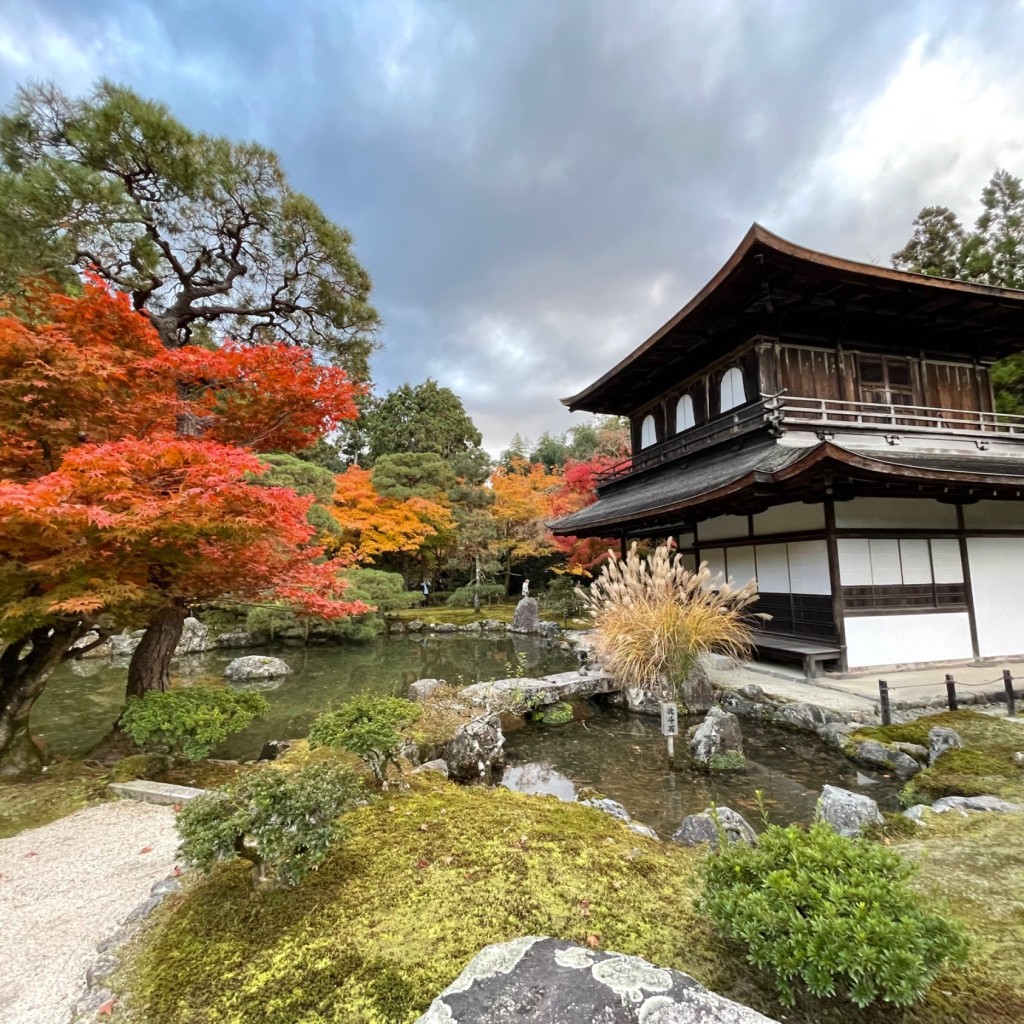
[(906, 639), (808, 567), (715, 557), (997, 580), (723, 528), (898, 513), (741, 565), (772, 568), (994, 515), (789, 518)]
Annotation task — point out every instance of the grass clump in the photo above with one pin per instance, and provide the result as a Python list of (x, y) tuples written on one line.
[(283, 823), (653, 618), (560, 713), (830, 915), (193, 719)]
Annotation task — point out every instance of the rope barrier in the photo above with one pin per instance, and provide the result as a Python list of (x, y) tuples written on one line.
[(884, 690)]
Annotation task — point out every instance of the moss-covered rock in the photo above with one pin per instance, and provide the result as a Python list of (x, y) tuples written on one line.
[(139, 766), (727, 761), (554, 714), (985, 763)]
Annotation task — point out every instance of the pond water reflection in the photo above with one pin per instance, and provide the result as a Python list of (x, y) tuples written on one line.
[(623, 756), (83, 698)]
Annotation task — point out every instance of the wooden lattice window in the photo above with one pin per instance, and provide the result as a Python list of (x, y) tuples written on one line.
[(886, 381)]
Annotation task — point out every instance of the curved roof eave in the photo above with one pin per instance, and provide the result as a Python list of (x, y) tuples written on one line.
[(758, 235)]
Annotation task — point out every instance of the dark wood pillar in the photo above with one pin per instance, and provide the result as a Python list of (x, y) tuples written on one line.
[(965, 567), (835, 582), (622, 546)]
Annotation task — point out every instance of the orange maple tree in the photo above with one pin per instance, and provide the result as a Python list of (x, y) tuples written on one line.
[(107, 509), (373, 525), (523, 495)]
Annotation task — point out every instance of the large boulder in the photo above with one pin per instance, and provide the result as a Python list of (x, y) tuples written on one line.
[(423, 688), (476, 749), (702, 828), (695, 694), (550, 981), (848, 813), (940, 740), (122, 645), (256, 667), (717, 743), (527, 616), (616, 810), (887, 757), (238, 638), (523, 693), (195, 638)]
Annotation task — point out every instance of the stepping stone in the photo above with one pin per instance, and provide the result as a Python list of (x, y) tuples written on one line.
[(155, 792)]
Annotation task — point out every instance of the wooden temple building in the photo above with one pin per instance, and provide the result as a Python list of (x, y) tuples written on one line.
[(828, 428)]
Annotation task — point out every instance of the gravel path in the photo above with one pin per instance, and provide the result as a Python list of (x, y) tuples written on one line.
[(63, 889)]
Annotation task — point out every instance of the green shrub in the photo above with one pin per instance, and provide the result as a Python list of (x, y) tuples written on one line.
[(833, 915), (283, 823), (367, 726), (490, 593), (193, 720)]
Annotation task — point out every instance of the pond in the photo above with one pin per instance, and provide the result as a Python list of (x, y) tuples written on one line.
[(74, 713), (621, 755)]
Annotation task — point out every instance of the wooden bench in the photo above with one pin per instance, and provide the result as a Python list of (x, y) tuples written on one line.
[(812, 654)]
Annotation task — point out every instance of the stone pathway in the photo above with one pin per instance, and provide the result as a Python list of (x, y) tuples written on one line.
[(63, 889), (860, 692)]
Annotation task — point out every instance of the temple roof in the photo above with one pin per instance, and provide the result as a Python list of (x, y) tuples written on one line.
[(751, 475), (774, 287)]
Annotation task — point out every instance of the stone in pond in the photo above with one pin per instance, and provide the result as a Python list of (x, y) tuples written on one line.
[(423, 688), (256, 666), (848, 813), (872, 754), (717, 744), (695, 694), (527, 616), (195, 638), (940, 740), (551, 981), (476, 749), (437, 765), (702, 828)]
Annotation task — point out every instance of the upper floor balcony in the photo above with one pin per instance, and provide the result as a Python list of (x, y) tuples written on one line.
[(828, 418)]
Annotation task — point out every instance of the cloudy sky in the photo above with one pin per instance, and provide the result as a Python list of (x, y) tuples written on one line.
[(536, 185)]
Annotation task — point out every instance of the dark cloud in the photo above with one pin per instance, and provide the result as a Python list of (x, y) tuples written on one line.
[(536, 186)]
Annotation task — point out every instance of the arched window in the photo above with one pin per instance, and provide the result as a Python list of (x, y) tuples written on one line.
[(684, 414), (732, 389), (648, 435)]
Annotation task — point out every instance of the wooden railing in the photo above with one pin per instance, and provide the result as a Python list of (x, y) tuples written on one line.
[(822, 413), (916, 418)]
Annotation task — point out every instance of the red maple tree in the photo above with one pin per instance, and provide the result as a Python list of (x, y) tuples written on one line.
[(106, 509)]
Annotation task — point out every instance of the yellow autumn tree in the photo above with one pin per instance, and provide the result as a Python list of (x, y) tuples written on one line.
[(373, 525), (523, 495)]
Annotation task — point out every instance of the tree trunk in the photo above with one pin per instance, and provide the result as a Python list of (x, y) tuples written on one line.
[(150, 667), (25, 666)]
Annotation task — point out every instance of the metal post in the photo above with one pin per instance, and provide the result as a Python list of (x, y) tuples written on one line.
[(883, 702), (1011, 701), (951, 692)]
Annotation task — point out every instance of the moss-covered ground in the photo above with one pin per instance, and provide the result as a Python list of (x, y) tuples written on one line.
[(62, 789), (429, 876), (984, 764)]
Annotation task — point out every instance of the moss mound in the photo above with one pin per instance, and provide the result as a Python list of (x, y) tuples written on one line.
[(983, 765), (425, 880), (62, 789)]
